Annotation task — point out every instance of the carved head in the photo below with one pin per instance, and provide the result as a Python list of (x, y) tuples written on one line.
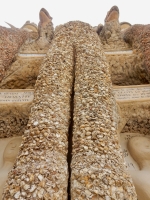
[(11, 150), (112, 14), (139, 148)]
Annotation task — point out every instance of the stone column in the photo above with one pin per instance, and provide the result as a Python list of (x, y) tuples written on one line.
[(97, 163), (41, 170)]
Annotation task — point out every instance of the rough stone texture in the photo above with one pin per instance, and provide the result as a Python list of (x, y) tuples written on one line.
[(46, 32), (97, 164), (10, 42), (127, 69), (110, 34), (94, 174), (22, 74), (134, 117), (45, 141), (139, 37), (19, 72), (13, 119)]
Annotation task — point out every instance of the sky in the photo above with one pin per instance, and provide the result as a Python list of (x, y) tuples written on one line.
[(17, 12)]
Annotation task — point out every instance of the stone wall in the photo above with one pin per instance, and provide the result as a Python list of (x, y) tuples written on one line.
[(139, 37), (10, 42), (127, 68), (14, 41), (13, 119), (22, 74)]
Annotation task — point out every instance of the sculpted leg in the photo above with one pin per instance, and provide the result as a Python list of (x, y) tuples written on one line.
[(97, 165), (41, 168)]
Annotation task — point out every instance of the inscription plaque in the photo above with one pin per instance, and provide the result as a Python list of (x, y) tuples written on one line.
[(132, 93), (122, 94), (16, 96)]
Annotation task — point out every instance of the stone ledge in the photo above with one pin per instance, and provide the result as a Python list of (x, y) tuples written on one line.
[(122, 94)]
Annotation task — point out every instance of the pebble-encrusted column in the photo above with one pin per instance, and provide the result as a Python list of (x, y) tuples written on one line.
[(97, 164), (41, 170)]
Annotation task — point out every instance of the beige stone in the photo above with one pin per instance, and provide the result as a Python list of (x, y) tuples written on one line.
[(23, 73), (9, 149), (72, 75), (136, 151), (132, 93)]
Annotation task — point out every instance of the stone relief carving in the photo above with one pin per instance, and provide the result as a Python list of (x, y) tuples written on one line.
[(8, 157), (16, 71), (22, 74), (110, 34), (45, 30), (126, 69), (23, 70), (139, 148), (136, 151)]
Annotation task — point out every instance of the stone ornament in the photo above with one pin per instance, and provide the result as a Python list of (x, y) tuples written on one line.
[(112, 14), (9, 151), (45, 31), (136, 151), (110, 34), (22, 74), (139, 148)]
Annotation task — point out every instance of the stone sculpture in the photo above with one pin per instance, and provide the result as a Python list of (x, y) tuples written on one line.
[(45, 30), (138, 36), (23, 71), (112, 14), (139, 148), (110, 34), (130, 68), (74, 62), (9, 157), (74, 91)]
